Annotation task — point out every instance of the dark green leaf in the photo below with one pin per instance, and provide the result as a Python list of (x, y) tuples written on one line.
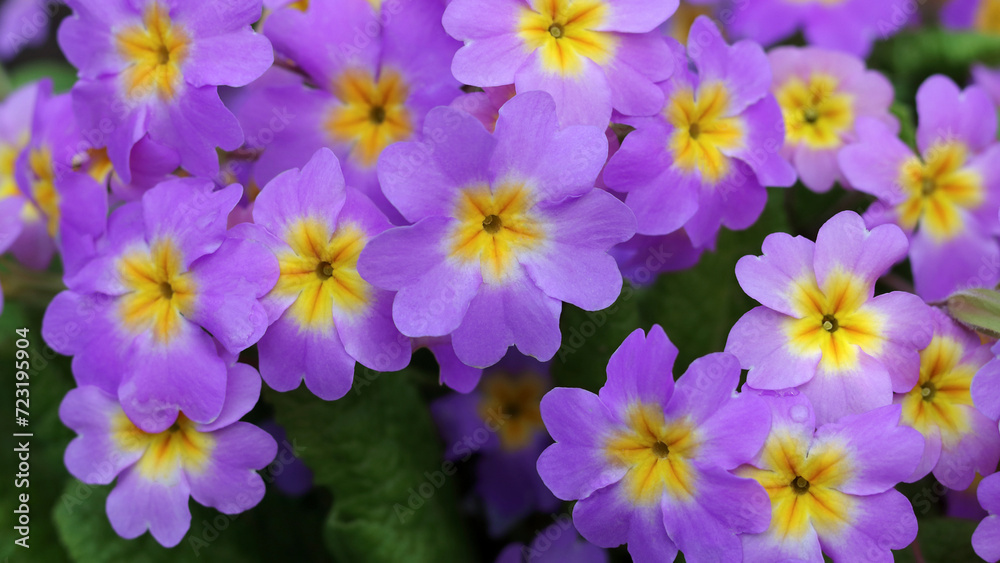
[(5, 85), (908, 58), (48, 381), (376, 450), (941, 540), (807, 210), (85, 531), (590, 337), (698, 307), (907, 123), (263, 533)]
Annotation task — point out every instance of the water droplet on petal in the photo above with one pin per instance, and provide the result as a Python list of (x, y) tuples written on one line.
[(799, 413)]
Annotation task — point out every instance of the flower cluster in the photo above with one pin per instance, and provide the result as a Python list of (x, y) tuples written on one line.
[(946, 196), (257, 192)]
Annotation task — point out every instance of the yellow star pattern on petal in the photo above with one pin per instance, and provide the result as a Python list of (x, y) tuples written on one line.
[(514, 402), (494, 227), (834, 320), (658, 454), (321, 270), (155, 49), (803, 487), (937, 402), (564, 31), (372, 112), (160, 292), (817, 112), (179, 447), (938, 189), (702, 130)]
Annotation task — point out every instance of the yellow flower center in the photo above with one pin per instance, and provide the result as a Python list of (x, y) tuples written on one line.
[(494, 227), (938, 398), (321, 270), (834, 321), (160, 293), (802, 486), (988, 16), (702, 130), (156, 50), (44, 191), (658, 454), (514, 404), (43, 188), (799, 485), (938, 189), (817, 113), (181, 446), (95, 163), (372, 114), (679, 24), (8, 159), (563, 30)]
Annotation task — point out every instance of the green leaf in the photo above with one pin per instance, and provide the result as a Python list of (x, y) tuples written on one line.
[(908, 58), (807, 210), (698, 307), (941, 540), (907, 123), (278, 529), (590, 337), (977, 308), (85, 531), (376, 450), (63, 75), (5, 85), (48, 381)]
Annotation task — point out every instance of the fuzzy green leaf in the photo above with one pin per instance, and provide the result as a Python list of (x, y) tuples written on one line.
[(376, 450)]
